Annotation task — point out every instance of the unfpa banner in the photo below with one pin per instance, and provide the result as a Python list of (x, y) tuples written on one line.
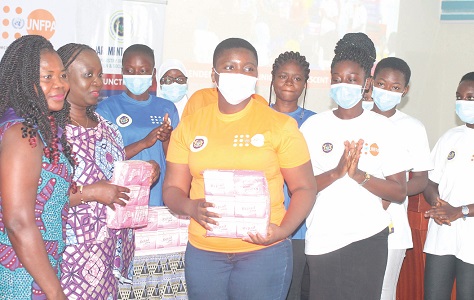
[(108, 26)]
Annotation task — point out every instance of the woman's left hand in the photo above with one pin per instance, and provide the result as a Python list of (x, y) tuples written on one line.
[(443, 213), (274, 234), (156, 171)]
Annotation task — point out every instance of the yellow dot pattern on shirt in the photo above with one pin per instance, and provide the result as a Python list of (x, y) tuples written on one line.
[(242, 140)]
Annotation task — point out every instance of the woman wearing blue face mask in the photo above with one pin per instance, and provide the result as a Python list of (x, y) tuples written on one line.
[(391, 78), (145, 121), (356, 157), (173, 83), (237, 132), (449, 248)]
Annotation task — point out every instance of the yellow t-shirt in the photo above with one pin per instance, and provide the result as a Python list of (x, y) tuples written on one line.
[(256, 138), (204, 97)]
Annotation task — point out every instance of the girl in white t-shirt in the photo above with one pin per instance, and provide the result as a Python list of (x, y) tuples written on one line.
[(357, 160), (449, 244), (391, 78)]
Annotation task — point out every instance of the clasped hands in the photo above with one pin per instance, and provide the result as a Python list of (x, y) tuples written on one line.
[(349, 162), (443, 213)]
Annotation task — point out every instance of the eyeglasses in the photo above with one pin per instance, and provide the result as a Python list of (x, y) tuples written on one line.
[(170, 80)]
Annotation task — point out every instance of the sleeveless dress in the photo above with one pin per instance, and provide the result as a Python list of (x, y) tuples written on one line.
[(96, 258), (52, 203)]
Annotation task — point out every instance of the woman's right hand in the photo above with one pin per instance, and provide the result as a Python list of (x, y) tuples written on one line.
[(345, 162), (107, 193), (202, 215)]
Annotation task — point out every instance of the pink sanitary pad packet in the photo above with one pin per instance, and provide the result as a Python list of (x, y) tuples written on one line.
[(242, 200), (135, 175)]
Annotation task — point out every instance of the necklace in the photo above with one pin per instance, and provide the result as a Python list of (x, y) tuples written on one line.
[(87, 122)]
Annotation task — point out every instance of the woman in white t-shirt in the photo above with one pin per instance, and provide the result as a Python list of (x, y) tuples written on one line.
[(357, 160), (391, 83), (449, 244)]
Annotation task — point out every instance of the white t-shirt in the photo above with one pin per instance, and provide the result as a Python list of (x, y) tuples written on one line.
[(453, 157), (346, 212), (416, 141)]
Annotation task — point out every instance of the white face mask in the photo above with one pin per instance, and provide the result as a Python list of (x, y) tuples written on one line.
[(236, 87)]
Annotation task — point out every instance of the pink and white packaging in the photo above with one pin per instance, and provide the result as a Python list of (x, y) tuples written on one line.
[(135, 175), (165, 230), (242, 200)]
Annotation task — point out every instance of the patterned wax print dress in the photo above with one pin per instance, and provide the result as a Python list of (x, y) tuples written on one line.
[(52, 203), (96, 257)]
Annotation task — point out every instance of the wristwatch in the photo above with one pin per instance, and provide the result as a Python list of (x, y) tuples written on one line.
[(465, 211)]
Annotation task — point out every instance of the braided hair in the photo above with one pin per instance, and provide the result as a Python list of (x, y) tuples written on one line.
[(284, 58), (20, 90), (356, 47), (68, 54)]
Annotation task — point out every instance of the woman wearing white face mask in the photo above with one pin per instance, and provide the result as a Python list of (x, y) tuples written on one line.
[(355, 155), (449, 248), (173, 83), (237, 132)]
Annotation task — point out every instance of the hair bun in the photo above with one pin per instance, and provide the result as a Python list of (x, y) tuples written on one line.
[(356, 40)]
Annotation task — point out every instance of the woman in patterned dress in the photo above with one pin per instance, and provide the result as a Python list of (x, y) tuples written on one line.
[(96, 258), (35, 170)]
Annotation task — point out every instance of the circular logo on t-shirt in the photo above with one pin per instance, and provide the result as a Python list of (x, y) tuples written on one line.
[(199, 143), (327, 147), (451, 155), (123, 120), (257, 140), (374, 149)]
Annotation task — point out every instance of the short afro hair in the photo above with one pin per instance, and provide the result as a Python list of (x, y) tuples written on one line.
[(139, 48), (394, 63), (232, 43), (468, 77)]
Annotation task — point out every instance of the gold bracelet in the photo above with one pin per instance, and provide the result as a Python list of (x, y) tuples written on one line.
[(367, 177), (80, 192)]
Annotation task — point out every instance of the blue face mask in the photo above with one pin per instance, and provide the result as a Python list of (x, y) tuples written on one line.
[(174, 92), (137, 84), (346, 95), (386, 100), (367, 105), (465, 111)]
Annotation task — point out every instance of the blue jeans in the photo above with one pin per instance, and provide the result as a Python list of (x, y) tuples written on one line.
[(259, 275)]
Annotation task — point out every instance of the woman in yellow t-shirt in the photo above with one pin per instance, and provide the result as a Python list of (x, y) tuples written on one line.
[(238, 133)]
